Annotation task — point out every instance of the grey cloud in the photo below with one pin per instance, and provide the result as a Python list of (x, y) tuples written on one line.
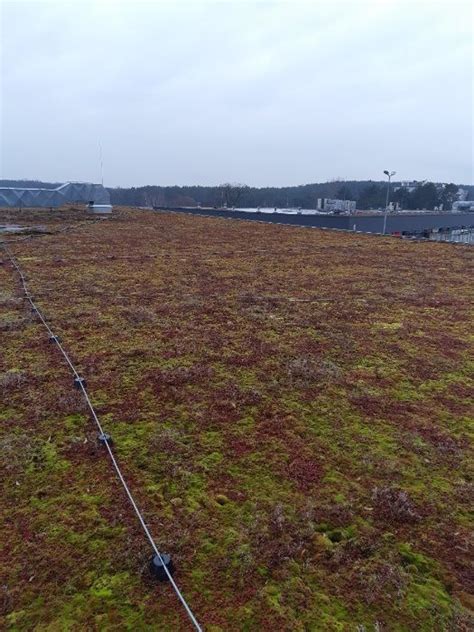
[(264, 93)]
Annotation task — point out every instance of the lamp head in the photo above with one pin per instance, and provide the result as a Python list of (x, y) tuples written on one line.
[(386, 172)]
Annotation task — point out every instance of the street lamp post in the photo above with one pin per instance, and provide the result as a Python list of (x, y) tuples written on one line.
[(389, 174)]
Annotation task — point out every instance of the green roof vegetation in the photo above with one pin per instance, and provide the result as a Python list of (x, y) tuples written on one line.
[(291, 407)]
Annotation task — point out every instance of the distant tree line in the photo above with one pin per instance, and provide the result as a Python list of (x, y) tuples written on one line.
[(424, 196), (31, 184), (367, 193), (234, 194)]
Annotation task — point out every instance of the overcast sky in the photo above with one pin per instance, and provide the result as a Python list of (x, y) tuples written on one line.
[(265, 93)]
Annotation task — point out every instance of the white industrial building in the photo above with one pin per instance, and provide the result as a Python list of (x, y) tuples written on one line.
[(95, 195), (336, 206)]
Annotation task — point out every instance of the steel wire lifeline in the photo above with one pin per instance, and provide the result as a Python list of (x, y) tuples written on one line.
[(106, 440)]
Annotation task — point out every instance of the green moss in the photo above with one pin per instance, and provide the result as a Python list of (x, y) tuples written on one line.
[(430, 602), (210, 461), (75, 422), (246, 378), (245, 424), (7, 414), (333, 477), (406, 391), (417, 560), (273, 596), (323, 541), (211, 439), (106, 586), (48, 460), (14, 619), (221, 499), (328, 613), (198, 575), (340, 534)]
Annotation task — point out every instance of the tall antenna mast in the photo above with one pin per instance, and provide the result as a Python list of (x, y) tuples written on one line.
[(101, 165)]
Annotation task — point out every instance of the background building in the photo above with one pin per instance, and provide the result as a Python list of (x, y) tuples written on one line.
[(336, 206), (96, 195)]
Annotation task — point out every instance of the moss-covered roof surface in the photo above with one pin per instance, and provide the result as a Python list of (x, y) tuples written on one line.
[(290, 406)]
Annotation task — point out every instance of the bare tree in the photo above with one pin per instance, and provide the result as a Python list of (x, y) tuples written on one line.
[(153, 197), (231, 193)]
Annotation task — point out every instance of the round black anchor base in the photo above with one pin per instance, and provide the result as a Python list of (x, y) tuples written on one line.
[(79, 382), (104, 438), (157, 565)]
